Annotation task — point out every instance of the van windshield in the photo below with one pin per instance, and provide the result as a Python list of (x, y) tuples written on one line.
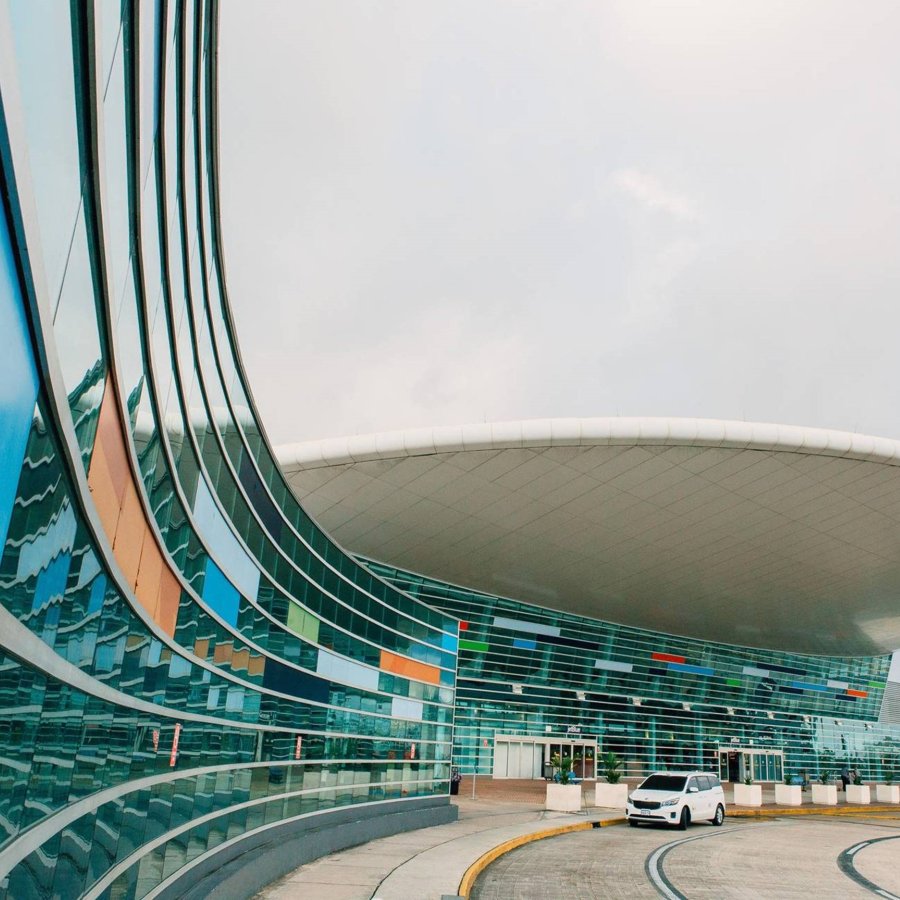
[(664, 783)]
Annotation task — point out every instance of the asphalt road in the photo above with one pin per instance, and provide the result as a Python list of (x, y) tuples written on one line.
[(821, 857)]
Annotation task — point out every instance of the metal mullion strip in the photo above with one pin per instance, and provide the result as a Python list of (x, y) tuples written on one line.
[(96, 890), (144, 326), (33, 837), (181, 651), (137, 261), (199, 370), (89, 99), (20, 642), (191, 436), (240, 489), (164, 219), (60, 424), (184, 652), (212, 150)]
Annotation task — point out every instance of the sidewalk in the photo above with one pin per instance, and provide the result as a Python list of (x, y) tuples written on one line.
[(429, 863)]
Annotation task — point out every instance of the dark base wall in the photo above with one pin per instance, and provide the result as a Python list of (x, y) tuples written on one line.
[(240, 870)]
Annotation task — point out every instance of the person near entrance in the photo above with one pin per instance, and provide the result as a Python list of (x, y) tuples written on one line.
[(845, 776)]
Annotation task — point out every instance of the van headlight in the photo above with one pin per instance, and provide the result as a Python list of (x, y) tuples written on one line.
[(671, 802)]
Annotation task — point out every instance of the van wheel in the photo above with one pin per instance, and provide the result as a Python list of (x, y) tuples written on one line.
[(685, 819), (719, 817)]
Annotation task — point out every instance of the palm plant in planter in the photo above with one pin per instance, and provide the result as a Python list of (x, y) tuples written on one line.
[(825, 792), (888, 792), (563, 793), (563, 765), (611, 794), (748, 793), (857, 792), (789, 794)]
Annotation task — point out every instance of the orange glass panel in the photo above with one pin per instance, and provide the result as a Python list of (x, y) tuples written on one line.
[(103, 493), (409, 668), (149, 575), (222, 653), (240, 659), (201, 647), (257, 665), (109, 436), (130, 535), (116, 496), (169, 598)]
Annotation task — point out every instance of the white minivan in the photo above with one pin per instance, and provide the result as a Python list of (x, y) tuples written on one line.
[(677, 798)]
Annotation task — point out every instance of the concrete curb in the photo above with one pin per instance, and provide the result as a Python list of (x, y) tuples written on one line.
[(483, 861), (771, 811)]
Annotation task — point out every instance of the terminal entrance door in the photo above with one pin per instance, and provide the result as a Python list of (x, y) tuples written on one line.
[(517, 758), (522, 756), (760, 764)]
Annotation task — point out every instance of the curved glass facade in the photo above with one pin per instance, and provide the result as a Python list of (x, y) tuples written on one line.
[(185, 658), (543, 677)]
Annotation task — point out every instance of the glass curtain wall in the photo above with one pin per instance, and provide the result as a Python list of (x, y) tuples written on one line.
[(656, 700), (185, 658)]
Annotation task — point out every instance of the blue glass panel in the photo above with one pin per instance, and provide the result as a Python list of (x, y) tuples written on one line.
[(693, 670), (51, 582), (18, 381), (98, 589), (522, 644), (220, 593)]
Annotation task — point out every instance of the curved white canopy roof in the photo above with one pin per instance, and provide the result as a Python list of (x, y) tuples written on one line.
[(756, 534)]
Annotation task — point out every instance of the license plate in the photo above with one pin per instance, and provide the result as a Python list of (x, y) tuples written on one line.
[(644, 812)]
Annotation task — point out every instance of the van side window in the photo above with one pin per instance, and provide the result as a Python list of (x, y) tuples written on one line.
[(694, 783), (703, 782)]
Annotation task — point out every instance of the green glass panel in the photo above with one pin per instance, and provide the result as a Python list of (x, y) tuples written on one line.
[(477, 646)]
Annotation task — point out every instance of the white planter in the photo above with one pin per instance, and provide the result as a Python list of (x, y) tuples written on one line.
[(887, 793), (825, 794), (612, 796), (748, 795), (788, 795), (564, 797), (859, 793)]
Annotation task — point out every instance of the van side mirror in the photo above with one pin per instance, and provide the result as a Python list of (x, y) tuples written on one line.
[(693, 789)]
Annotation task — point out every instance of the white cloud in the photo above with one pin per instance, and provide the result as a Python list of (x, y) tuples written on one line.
[(649, 192)]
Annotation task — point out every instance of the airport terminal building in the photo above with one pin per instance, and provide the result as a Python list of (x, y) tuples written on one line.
[(197, 670), (684, 593)]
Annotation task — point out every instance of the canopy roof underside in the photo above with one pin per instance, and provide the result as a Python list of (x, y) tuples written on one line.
[(759, 535)]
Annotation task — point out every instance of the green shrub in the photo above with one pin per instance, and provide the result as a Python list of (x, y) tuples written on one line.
[(564, 766), (612, 767)]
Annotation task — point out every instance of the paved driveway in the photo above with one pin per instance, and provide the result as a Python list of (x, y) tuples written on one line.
[(809, 857)]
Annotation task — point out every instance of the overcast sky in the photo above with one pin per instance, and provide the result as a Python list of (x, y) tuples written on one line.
[(448, 212)]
